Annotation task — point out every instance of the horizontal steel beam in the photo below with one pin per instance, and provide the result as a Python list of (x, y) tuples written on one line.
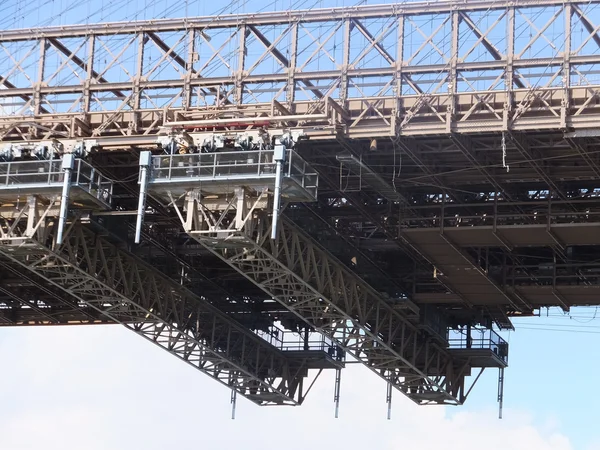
[(100, 86), (277, 18)]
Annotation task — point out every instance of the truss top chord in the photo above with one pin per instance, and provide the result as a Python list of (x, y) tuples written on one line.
[(274, 18)]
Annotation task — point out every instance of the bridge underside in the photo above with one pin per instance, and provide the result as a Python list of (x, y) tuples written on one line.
[(454, 243), (501, 231)]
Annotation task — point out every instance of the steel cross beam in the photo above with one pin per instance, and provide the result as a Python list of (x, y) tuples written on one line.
[(93, 270), (589, 26), (25, 97), (170, 52), (285, 62), (307, 280)]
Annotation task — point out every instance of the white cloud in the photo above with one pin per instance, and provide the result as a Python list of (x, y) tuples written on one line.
[(103, 387)]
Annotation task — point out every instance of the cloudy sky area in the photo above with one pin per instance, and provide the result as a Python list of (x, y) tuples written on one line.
[(104, 387)]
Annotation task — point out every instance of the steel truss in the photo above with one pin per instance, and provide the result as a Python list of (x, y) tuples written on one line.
[(97, 272), (301, 275), (487, 84), (25, 301), (422, 69)]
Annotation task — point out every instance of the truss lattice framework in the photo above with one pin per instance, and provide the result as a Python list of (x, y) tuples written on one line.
[(96, 272), (307, 280), (417, 68), (23, 301)]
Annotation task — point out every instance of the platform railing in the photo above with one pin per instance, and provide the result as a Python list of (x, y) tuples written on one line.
[(478, 339), (17, 175), (92, 181), (23, 173), (234, 165), (552, 274), (541, 217), (290, 341), (490, 215)]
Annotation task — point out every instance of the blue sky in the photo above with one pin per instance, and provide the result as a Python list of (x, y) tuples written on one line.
[(110, 389)]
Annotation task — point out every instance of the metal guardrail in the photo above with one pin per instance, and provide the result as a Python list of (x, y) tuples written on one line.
[(289, 341), (229, 166), (33, 175), (479, 339)]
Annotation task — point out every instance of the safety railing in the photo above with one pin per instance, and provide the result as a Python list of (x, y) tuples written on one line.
[(24, 173), (33, 175), (483, 219), (538, 209), (235, 165), (290, 341), (479, 339), (93, 182), (551, 274)]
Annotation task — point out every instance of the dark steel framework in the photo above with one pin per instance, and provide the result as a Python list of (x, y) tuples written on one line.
[(456, 144)]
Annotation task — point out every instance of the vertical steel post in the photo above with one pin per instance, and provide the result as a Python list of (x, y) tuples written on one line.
[(89, 69), (233, 403), (279, 158), (344, 83), (398, 75), (145, 158), (239, 74), (453, 72), (336, 391), (291, 71), (509, 71), (37, 95), (390, 389), (500, 392), (566, 69), (189, 69), (67, 168)]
